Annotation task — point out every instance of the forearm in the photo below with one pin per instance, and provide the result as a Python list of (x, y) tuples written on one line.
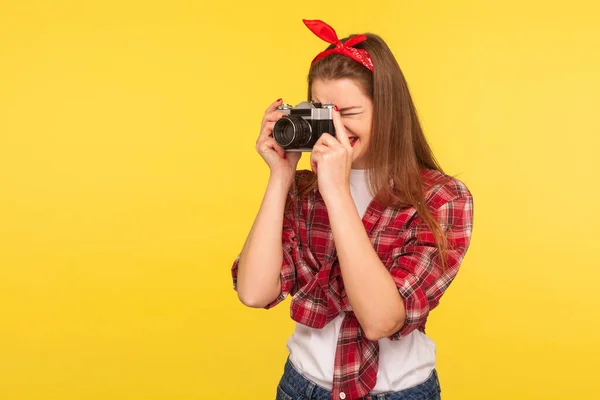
[(371, 289), (260, 262)]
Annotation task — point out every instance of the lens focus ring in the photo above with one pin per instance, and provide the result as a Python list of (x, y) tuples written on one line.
[(292, 132)]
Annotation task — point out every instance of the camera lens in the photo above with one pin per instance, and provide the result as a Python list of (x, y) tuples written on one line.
[(292, 132)]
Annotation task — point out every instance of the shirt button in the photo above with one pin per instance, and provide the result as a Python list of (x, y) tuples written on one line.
[(342, 395)]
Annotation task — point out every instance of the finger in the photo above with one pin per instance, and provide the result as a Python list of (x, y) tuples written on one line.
[(327, 140), (314, 164), (268, 124), (273, 106), (273, 144), (272, 116), (340, 132), (265, 133), (318, 150), (268, 145), (267, 129)]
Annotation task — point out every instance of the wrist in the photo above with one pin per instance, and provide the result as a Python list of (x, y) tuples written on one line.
[(282, 179), (337, 196)]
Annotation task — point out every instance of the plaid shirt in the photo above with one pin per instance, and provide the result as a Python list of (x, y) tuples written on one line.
[(311, 271)]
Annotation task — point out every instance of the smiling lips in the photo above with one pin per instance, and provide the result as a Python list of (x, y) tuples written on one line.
[(353, 140)]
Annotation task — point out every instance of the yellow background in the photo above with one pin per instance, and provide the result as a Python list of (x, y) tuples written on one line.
[(128, 181)]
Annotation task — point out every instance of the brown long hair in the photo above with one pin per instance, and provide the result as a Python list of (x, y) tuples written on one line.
[(398, 150)]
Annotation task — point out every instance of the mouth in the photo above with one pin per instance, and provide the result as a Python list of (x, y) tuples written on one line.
[(353, 140)]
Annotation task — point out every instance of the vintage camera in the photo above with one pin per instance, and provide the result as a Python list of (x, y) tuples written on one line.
[(301, 126)]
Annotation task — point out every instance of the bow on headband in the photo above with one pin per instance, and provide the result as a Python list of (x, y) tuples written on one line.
[(326, 32)]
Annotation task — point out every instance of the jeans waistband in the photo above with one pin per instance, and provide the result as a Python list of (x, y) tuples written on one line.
[(301, 385)]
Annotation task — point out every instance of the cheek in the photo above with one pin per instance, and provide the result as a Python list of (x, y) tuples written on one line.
[(359, 128)]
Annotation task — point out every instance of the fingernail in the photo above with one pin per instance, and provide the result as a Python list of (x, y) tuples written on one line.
[(278, 100), (336, 109)]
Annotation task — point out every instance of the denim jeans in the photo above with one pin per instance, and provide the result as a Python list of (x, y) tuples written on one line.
[(293, 386)]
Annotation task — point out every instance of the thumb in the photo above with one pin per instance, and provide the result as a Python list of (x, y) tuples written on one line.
[(293, 156)]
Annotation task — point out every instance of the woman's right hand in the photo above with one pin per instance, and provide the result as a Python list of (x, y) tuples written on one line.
[(274, 155)]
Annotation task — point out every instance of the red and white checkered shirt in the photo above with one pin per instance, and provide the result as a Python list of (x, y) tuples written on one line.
[(405, 245)]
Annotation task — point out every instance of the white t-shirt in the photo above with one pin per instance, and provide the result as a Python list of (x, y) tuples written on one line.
[(402, 363)]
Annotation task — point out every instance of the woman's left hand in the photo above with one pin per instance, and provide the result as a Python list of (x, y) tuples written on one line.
[(331, 160)]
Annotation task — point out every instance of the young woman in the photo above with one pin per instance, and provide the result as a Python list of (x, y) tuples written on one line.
[(367, 242)]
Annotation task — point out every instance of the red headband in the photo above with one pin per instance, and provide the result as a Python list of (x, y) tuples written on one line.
[(326, 32)]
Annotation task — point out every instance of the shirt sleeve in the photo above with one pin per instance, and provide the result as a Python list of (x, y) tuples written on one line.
[(288, 244), (416, 264)]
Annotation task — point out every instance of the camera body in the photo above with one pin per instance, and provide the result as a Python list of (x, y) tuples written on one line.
[(301, 126)]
